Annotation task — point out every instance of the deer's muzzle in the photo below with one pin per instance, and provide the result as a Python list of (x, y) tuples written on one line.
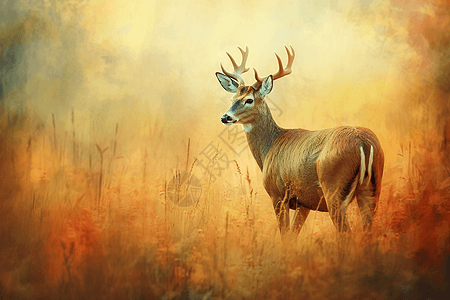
[(227, 120)]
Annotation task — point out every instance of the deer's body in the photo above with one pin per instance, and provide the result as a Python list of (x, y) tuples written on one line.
[(306, 170)]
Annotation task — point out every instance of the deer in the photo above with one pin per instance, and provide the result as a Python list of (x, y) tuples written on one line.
[(304, 170)]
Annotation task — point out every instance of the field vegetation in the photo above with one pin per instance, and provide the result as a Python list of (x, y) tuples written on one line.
[(92, 223), (107, 112)]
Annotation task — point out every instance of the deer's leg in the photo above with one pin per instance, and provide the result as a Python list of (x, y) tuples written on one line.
[(367, 200), (282, 213), (299, 219), (368, 193), (337, 197), (338, 217)]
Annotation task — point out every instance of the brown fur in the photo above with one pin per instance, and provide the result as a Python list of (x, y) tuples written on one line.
[(322, 168), (306, 170)]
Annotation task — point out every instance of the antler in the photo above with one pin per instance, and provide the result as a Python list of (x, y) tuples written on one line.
[(281, 71), (238, 70)]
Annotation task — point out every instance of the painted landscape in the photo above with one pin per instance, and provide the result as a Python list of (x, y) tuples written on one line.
[(118, 180)]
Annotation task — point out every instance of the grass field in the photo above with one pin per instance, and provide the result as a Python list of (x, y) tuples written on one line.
[(91, 223), (106, 105)]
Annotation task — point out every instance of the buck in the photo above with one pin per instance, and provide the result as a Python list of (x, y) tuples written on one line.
[(304, 170)]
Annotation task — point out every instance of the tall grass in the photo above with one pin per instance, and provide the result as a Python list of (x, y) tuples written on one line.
[(77, 227)]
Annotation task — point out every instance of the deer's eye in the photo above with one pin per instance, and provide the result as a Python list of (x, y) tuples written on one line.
[(249, 101)]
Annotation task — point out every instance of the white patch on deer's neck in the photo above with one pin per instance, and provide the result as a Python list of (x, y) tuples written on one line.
[(247, 127)]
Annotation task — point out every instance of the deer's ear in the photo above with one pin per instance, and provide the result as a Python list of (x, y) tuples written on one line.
[(266, 86), (228, 83)]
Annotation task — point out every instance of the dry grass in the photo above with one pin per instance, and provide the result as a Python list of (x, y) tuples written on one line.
[(89, 224)]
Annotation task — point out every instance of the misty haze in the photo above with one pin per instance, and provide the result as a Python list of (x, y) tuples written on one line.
[(119, 180)]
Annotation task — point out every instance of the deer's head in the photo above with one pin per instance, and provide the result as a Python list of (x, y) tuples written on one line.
[(248, 101)]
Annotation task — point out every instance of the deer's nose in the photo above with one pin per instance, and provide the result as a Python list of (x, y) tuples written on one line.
[(226, 118)]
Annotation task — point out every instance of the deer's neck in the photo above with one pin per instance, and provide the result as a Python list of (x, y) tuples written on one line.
[(262, 134)]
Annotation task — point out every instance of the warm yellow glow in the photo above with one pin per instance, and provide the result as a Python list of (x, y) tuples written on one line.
[(104, 102)]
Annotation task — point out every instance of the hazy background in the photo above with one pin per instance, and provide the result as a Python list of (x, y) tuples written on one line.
[(103, 102), (149, 67)]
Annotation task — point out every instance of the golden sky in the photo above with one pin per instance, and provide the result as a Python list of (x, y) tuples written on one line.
[(141, 63)]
